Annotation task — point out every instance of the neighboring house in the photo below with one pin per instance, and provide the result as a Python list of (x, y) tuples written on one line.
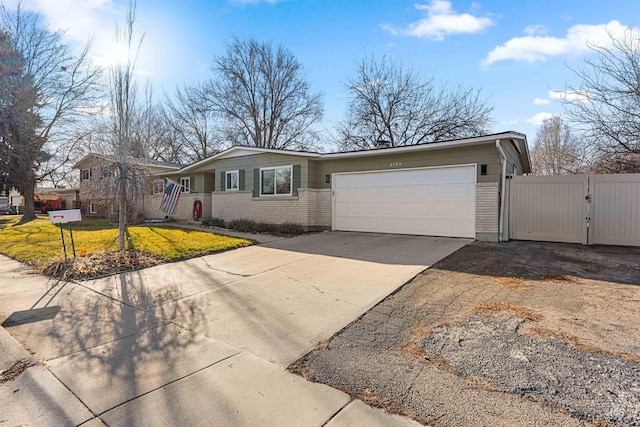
[(449, 188), (70, 196), (98, 188)]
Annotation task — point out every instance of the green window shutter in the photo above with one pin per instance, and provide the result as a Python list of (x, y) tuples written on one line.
[(241, 180), (223, 181), (296, 180), (256, 182)]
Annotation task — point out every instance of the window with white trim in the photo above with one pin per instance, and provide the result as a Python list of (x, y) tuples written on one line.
[(93, 207), (276, 181), (186, 184), (85, 174), (232, 179), (158, 186), (114, 209)]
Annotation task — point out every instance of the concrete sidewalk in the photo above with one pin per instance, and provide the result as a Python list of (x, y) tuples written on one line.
[(200, 342)]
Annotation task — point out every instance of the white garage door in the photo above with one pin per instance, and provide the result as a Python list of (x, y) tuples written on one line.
[(429, 201)]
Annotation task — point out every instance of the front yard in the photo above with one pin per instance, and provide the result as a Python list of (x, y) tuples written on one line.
[(39, 244), (516, 333)]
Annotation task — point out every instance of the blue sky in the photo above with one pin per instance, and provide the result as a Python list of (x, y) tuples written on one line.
[(516, 51)]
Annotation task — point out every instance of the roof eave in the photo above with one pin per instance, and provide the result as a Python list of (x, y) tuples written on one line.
[(239, 147), (485, 139)]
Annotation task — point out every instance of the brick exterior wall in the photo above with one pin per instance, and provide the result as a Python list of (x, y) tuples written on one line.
[(310, 208), (487, 210), (319, 205), (184, 209)]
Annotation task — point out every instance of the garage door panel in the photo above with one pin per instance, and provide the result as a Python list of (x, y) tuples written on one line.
[(407, 192), (430, 201), (400, 225)]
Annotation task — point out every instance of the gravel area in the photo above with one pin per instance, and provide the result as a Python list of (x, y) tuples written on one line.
[(590, 385), (499, 334)]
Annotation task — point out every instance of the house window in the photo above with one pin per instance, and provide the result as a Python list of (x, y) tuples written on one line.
[(276, 181), (233, 180), (106, 172), (93, 207), (158, 186), (114, 209), (85, 174), (186, 184)]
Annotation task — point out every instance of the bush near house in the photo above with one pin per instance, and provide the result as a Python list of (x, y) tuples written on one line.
[(212, 222), (287, 229)]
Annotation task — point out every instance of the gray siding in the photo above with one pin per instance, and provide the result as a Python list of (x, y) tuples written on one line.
[(513, 156), (477, 154), (248, 164)]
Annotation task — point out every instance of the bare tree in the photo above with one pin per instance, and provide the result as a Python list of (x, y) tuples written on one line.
[(392, 102), (556, 151), (123, 90), (193, 122), (606, 103), (621, 162), (60, 84), (263, 97)]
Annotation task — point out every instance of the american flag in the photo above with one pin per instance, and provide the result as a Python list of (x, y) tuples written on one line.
[(172, 192)]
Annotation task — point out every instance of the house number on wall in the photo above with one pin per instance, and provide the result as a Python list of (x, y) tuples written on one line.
[(395, 164)]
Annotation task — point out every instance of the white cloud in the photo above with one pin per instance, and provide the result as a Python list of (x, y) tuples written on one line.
[(536, 30), (538, 47), (566, 95), (510, 122), (84, 20), (81, 21), (441, 21), (537, 119), (541, 101)]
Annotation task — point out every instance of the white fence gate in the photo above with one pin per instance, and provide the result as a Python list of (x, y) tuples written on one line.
[(587, 209)]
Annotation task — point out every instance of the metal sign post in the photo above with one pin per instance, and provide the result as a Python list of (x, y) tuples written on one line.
[(64, 217), (64, 247)]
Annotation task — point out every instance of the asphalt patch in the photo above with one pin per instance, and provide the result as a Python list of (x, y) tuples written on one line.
[(595, 386)]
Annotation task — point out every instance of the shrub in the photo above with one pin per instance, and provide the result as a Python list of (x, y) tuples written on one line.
[(244, 225), (291, 229), (284, 229), (212, 222)]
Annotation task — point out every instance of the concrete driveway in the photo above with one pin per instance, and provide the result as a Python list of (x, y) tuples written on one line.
[(204, 341)]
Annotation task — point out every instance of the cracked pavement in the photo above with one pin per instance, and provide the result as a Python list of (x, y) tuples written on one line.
[(584, 299)]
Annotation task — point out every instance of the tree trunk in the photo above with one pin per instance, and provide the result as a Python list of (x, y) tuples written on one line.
[(122, 208), (28, 189)]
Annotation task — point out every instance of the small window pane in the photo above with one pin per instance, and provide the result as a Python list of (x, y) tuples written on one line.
[(283, 181), (186, 184), (232, 180), (268, 181)]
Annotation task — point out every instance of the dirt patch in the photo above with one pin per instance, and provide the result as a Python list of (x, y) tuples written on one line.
[(101, 264), (519, 304), (13, 371), (494, 307)]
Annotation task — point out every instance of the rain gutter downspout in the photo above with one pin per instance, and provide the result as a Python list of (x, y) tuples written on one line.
[(503, 156)]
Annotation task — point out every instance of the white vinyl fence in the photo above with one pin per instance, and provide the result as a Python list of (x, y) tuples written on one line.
[(587, 209)]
